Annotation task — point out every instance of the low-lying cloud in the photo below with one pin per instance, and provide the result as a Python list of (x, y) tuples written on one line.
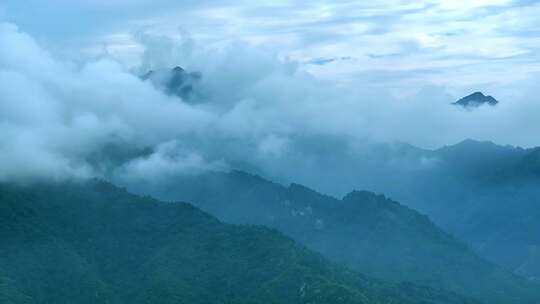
[(58, 117)]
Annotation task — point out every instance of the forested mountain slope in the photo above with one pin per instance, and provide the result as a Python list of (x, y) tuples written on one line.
[(95, 243), (365, 231)]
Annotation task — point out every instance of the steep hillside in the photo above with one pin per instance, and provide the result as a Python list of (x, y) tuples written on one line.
[(367, 232), (95, 243), (485, 194)]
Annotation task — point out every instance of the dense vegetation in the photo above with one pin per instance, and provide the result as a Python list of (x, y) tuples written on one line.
[(485, 194), (95, 243), (367, 232)]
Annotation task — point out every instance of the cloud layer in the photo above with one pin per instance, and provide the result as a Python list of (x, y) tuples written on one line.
[(463, 45), (96, 118)]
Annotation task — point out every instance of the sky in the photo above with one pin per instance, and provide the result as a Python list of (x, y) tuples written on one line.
[(277, 78), (399, 45)]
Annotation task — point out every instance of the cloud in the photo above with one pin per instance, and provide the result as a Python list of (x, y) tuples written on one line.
[(438, 35), (323, 61), (167, 161), (57, 114), (63, 119)]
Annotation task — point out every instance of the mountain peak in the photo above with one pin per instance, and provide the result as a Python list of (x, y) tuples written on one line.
[(175, 82), (476, 99), (178, 69)]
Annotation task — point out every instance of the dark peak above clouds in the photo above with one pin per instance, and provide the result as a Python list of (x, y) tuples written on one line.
[(175, 82), (178, 69), (476, 99)]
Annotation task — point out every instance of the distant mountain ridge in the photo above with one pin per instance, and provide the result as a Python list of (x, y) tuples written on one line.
[(365, 231), (483, 193), (491, 199)]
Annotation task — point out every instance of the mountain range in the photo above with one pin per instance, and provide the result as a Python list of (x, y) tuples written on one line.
[(91, 242), (363, 231), (456, 225), (483, 193)]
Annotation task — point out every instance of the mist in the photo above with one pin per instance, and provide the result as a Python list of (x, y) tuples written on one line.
[(306, 151), (255, 107)]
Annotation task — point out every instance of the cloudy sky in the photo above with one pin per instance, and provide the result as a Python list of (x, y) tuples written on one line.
[(462, 44), (278, 77)]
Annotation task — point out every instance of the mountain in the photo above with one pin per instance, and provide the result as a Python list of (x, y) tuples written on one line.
[(483, 193), (491, 199), (364, 231), (91, 242), (475, 100), (175, 82)]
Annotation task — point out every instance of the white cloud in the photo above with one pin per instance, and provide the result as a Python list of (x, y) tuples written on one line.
[(167, 161), (470, 4), (390, 35), (64, 113), (57, 117)]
